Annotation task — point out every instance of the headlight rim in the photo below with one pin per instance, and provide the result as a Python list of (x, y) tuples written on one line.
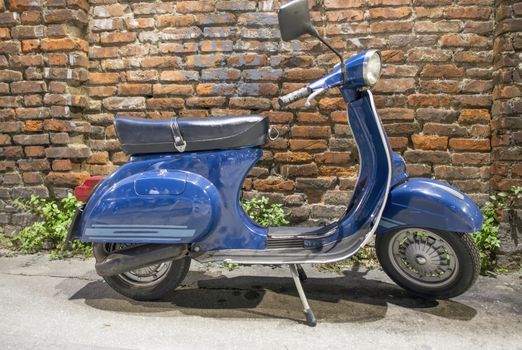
[(366, 62)]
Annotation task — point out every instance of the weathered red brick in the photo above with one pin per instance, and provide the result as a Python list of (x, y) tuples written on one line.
[(165, 103), (464, 40), (62, 165), (33, 164), (250, 102), (205, 102), (106, 11), (299, 170), (459, 144), (28, 87), (34, 151), (443, 71), (139, 23), (176, 21), (118, 37), (421, 100), (274, 185), (64, 44), (430, 142), (213, 89), (135, 89), (195, 6), (149, 75), (343, 4), (161, 62), (308, 145), (103, 78), (474, 116), (124, 103), (66, 179), (293, 157), (177, 76), (311, 132), (469, 12)]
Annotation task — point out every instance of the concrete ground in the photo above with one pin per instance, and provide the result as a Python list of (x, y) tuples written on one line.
[(65, 305)]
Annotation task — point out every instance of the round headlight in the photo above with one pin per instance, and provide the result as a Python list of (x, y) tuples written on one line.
[(372, 67)]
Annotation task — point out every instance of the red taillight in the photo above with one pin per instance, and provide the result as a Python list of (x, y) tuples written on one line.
[(83, 192)]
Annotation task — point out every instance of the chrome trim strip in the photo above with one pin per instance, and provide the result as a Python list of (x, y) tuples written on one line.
[(449, 190)]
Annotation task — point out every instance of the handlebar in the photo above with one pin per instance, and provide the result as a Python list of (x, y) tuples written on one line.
[(294, 96)]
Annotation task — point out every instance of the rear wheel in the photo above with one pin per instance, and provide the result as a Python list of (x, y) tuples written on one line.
[(147, 283), (429, 263)]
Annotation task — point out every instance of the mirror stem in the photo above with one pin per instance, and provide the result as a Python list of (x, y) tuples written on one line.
[(315, 33)]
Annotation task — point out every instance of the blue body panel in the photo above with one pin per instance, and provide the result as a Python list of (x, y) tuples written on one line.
[(399, 173), (175, 198), (354, 70), (369, 195), (427, 203)]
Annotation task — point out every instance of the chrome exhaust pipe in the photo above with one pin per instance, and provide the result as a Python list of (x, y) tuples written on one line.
[(137, 257)]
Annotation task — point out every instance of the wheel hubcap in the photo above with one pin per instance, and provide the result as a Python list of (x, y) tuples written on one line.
[(423, 257), (420, 260), (145, 276)]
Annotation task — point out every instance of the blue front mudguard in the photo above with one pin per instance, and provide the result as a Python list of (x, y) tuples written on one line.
[(430, 204)]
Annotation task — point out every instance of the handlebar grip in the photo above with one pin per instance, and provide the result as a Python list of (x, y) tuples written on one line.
[(294, 96)]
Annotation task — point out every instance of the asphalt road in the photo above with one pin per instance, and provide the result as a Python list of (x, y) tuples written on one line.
[(65, 305)]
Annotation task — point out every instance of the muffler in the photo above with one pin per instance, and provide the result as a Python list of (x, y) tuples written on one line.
[(140, 256)]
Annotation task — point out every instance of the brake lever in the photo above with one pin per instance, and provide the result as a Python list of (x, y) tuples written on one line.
[(312, 96)]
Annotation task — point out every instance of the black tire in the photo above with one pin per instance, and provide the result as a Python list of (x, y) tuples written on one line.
[(122, 284), (464, 275)]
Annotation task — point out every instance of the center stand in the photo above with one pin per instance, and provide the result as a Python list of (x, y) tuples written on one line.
[(310, 317)]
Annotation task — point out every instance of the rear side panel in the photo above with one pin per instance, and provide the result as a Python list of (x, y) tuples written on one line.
[(175, 198), (427, 203), (154, 205)]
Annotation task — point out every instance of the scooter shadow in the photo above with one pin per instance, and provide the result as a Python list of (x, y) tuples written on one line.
[(348, 298)]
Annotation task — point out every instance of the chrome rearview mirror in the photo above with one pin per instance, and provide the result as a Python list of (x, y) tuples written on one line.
[(294, 20)]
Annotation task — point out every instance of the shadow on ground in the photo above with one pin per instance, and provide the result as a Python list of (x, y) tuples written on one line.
[(348, 298)]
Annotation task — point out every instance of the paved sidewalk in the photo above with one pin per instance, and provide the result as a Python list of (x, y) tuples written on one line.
[(65, 305)]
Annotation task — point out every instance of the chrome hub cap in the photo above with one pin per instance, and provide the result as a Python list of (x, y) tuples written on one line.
[(420, 260), (423, 257), (145, 276), (148, 275)]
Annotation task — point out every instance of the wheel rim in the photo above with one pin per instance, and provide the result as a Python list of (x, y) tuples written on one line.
[(423, 257), (143, 277)]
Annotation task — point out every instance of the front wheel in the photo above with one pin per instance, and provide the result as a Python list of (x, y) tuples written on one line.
[(429, 263), (147, 283)]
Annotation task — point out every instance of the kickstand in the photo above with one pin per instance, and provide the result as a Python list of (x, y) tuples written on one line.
[(302, 274), (310, 318)]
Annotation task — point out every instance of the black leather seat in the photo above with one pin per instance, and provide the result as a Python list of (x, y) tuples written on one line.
[(140, 136)]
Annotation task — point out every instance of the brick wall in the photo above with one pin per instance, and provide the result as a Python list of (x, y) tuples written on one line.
[(44, 62), (160, 59), (506, 169)]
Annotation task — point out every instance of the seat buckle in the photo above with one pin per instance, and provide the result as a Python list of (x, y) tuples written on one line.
[(179, 142)]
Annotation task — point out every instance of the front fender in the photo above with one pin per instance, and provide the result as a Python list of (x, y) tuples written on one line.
[(427, 203)]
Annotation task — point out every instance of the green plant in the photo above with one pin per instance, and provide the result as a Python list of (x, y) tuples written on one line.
[(499, 269), (487, 238), (264, 213), (229, 266), (50, 231)]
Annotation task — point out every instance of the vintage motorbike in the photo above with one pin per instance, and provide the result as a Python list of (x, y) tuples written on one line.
[(178, 198)]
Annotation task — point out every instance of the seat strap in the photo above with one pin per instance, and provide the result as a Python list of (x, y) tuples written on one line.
[(179, 142)]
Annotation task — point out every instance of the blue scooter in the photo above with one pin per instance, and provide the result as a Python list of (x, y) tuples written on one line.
[(177, 199)]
